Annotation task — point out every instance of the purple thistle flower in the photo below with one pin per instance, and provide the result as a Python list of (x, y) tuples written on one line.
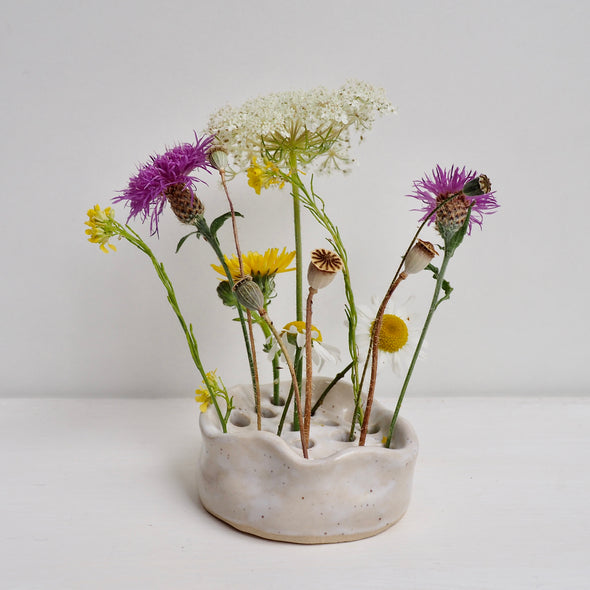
[(444, 183), (146, 194)]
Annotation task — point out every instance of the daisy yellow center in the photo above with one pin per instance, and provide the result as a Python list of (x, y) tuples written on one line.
[(394, 334)]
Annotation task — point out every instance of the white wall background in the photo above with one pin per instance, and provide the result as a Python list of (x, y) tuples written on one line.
[(90, 89)]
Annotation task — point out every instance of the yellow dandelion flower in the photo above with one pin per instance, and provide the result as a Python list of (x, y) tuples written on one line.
[(101, 228), (258, 265), (264, 176)]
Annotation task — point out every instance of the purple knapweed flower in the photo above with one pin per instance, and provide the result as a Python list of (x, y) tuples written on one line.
[(146, 194), (444, 183)]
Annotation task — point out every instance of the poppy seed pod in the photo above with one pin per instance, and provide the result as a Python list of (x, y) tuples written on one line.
[(217, 157), (419, 257), (323, 268), (248, 294)]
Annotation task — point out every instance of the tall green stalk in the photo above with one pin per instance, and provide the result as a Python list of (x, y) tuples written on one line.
[(298, 271), (433, 306), (297, 235), (316, 206)]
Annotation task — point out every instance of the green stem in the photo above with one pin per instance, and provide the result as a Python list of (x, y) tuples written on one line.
[(298, 364), (276, 373), (297, 235), (202, 226), (285, 411), (329, 387), (135, 239), (433, 305), (298, 268), (276, 381)]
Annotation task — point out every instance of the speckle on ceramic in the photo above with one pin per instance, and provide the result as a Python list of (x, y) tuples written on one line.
[(261, 484)]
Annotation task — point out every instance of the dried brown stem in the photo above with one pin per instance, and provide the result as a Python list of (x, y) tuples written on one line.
[(375, 354), (308, 365), (296, 393)]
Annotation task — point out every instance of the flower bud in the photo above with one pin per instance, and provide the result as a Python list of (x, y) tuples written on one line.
[(217, 157), (323, 268), (419, 257), (480, 185), (248, 294), (185, 204)]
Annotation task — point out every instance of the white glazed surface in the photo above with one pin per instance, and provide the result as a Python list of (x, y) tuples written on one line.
[(261, 484)]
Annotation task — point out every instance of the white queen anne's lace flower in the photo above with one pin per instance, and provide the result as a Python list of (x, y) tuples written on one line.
[(314, 125)]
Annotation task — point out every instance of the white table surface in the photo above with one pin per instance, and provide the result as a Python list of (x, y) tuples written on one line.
[(102, 494)]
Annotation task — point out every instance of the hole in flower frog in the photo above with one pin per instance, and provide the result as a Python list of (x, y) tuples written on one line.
[(281, 401), (342, 436), (239, 420), (326, 422), (297, 443), (373, 429), (268, 413)]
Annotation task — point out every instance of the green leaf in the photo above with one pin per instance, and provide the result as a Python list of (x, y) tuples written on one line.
[(219, 221), (183, 240), (446, 287), (226, 294), (433, 269)]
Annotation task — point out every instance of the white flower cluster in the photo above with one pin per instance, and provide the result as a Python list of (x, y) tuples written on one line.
[(283, 117)]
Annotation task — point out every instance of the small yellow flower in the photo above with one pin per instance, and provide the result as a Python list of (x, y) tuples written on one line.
[(258, 265), (264, 176), (202, 394), (203, 398), (100, 221)]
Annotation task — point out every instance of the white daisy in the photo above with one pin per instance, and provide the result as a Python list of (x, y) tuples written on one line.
[(293, 336), (398, 337)]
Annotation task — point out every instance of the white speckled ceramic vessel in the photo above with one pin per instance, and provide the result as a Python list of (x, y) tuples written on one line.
[(261, 484)]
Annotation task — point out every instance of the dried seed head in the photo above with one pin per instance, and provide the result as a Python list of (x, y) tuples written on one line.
[(326, 260), (480, 185), (419, 257), (323, 268), (186, 205), (248, 294), (217, 157)]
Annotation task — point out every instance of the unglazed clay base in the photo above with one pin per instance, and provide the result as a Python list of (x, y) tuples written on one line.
[(261, 484)]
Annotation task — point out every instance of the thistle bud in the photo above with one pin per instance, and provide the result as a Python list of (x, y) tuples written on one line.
[(185, 204), (323, 268), (419, 257), (248, 294), (217, 157), (480, 185)]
